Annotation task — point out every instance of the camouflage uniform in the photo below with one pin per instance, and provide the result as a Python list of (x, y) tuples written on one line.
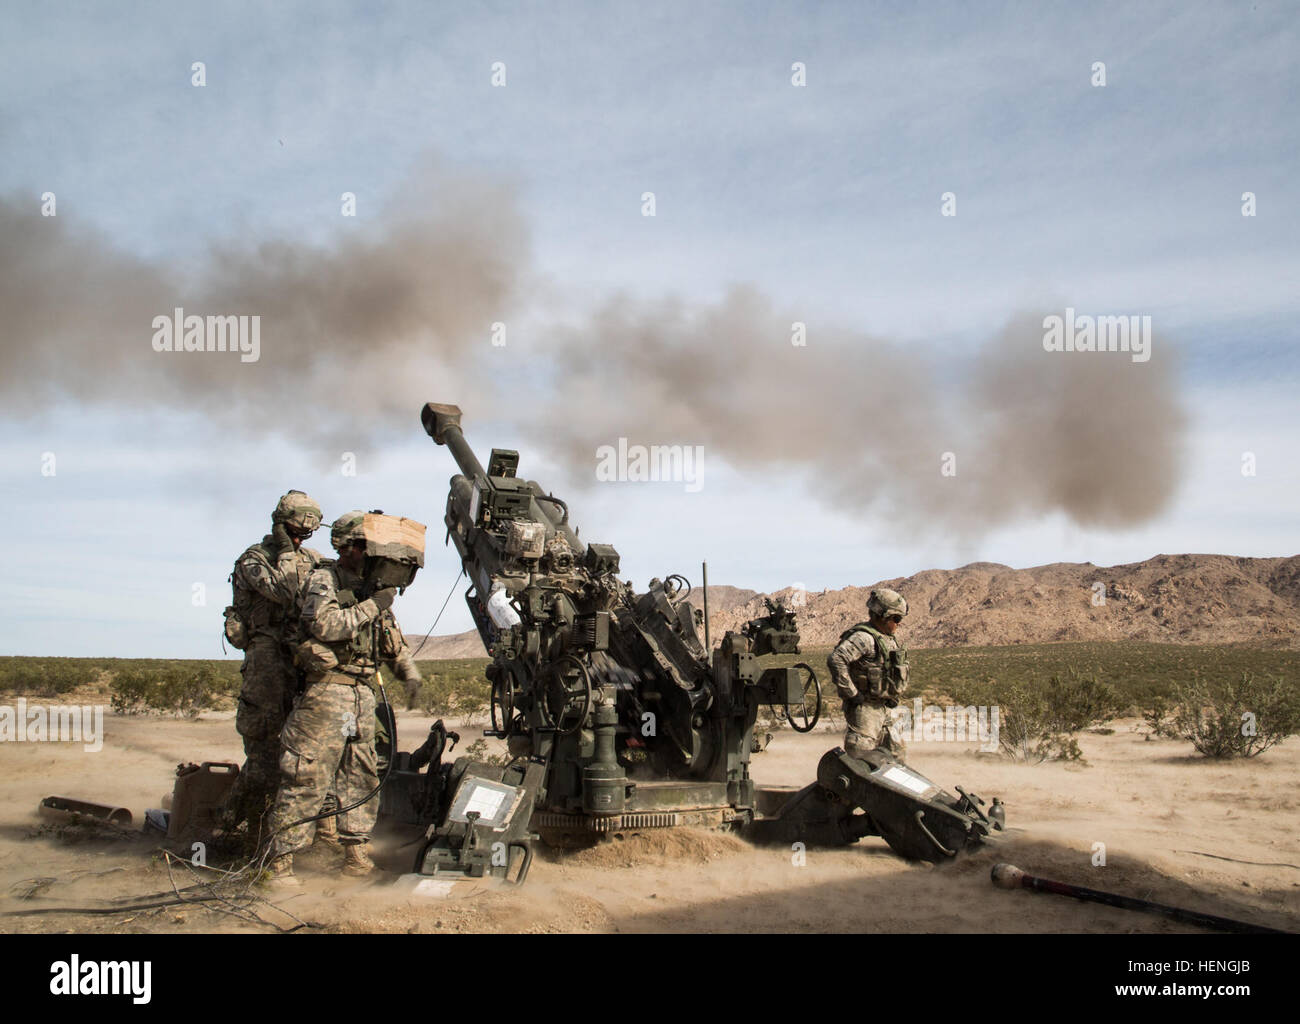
[(870, 672), (411, 682), (329, 739), (404, 667), (270, 582)]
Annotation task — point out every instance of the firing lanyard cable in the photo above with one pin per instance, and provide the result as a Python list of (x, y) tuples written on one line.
[(429, 633)]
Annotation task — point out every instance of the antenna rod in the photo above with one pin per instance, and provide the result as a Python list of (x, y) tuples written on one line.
[(708, 646)]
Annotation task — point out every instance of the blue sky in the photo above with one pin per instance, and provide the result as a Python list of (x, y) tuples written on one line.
[(824, 198)]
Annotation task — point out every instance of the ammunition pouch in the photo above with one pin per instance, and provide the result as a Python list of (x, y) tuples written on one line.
[(315, 658), (236, 629), (874, 681), (391, 640), (896, 672)]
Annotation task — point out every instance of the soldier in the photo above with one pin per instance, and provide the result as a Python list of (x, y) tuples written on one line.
[(266, 581), (329, 740), (870, 671)]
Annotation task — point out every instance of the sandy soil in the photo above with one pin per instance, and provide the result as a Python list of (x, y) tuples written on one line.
[(1155, 805)]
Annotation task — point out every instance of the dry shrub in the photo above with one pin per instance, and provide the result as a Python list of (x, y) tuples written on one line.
[(1038, 721), (1223, 717)]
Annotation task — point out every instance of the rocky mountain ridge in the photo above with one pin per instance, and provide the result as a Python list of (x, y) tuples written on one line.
[(1188, 599)]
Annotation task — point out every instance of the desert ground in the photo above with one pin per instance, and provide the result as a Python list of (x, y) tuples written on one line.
[(1219, 837)]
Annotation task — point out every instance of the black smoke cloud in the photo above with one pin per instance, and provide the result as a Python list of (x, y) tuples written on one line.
[(358, 333)]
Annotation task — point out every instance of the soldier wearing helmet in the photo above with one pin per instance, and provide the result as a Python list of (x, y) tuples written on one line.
[(266, 581), (869, 667), (345, 633)]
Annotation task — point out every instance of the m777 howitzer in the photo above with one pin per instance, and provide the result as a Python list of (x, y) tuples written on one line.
[(616, 715)]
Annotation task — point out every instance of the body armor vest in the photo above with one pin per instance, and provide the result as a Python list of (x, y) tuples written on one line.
[(251, 615), (259, 614), (883, 676)]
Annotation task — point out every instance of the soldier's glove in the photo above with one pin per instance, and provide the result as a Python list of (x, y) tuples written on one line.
[(384, 598), (856, 699), (280, 539)]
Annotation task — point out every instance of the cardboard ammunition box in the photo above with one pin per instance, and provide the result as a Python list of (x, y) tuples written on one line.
[(394, 538)]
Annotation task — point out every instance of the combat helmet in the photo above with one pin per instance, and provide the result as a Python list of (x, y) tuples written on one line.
[(885, 602), (299, 513), (347, 528)]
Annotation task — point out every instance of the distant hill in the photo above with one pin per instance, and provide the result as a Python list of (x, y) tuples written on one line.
[(1195, 599), (1191, 599), (447, 648)]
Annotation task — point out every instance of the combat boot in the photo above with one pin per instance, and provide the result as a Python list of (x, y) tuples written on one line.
[(327, 833), (281, 876), (358, 861)]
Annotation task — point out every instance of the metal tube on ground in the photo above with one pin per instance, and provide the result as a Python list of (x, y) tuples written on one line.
[(1008, 876)]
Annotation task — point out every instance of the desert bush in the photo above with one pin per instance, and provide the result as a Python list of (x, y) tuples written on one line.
[(478, 751), (443, 696), (1038, 721), (174, 688), (131, 689), (453, 688), (1139, 671), (1155, 712), (46, 677), (1224, 717), (469, 706), (434, 695)]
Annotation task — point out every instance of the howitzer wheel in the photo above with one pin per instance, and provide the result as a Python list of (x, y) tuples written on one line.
[(503, 699), (565, 698), (796, 712)]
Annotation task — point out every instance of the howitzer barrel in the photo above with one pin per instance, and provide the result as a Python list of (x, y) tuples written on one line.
[(442, 423)]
